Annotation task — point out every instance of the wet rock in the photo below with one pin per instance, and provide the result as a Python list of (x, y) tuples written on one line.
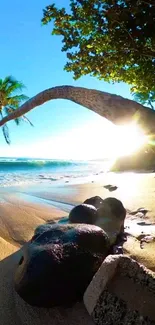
[(112, 207), (42, 228), (117, 249), (145, 239), (64, 220), (111, 216), (111, 188), (143, 210), (96, 201), (83, 213), (107, 186), (139, 211), (58, 264)]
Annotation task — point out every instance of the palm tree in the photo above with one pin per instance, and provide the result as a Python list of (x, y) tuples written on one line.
[(115, 108), (10, 100)]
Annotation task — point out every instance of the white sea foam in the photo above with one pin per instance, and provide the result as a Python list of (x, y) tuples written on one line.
[(19, 171)]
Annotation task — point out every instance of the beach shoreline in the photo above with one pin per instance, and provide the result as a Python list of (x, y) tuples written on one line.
[(50, 201), (23, 208)]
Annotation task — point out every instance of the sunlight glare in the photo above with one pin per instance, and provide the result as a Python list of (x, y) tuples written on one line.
[(98, 139), (127, 140)]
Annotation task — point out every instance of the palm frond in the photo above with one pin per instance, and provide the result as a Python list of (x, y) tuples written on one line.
[(17, 100), (5, 131), (18, 120), (27, 120), (10, 100), (8, 88), (16, 86), (11, 85)]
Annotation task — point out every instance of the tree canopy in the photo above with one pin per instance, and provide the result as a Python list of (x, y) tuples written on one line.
[(113, 40), (10, 99)]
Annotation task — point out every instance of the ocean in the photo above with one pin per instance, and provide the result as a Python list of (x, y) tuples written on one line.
[(20, 171)]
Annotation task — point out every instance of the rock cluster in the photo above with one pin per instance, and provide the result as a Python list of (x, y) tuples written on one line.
[(61, 259)]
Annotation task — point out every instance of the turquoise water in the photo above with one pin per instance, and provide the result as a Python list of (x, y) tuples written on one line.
[(18, 171)]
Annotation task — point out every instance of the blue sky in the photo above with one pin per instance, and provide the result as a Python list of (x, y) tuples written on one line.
[(30, 54)]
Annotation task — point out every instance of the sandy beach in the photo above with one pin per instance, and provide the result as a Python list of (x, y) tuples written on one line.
[(22, 209)]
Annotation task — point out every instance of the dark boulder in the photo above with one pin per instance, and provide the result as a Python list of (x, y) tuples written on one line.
[(111, 216), (114, 206), (96, 201), (83, 213), (58, 264)]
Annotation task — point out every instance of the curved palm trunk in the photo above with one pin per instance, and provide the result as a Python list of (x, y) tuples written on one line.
[(114, 108)]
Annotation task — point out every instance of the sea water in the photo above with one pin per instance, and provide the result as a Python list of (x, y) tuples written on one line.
[(20, 171)]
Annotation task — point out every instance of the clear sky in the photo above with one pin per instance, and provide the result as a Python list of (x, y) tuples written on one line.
[(29, 53)]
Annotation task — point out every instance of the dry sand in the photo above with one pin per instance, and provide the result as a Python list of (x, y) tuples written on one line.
[(21, 214)]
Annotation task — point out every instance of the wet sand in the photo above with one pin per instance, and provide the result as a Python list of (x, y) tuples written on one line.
[(22, 210)]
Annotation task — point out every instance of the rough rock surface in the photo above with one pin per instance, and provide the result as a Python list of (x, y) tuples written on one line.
[(58, 264), (122, 292), (83, 213), (96, 201), (111, 216)]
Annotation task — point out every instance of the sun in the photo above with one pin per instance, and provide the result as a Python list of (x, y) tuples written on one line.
[(125, 140)]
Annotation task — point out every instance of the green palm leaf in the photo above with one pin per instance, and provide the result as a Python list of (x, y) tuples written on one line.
[(16, 100), (11, 85), (27, 120), (11, 99), (5, 131)]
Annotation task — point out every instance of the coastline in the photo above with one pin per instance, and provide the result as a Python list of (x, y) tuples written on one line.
[(23, 208), (135, 190)]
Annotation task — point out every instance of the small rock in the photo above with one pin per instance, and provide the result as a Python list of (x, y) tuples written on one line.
[(58, 265), (107, 186), (117, 249), (111, 188), (96, 201), (147, 238), (111, 216), (83, 213), (143, 223), (143, 210), (140, 212)]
